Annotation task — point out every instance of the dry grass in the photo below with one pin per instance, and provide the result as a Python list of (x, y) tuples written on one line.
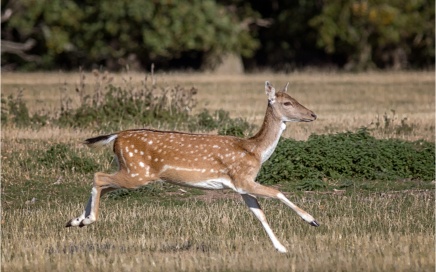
[(342, 101), (359, 231)]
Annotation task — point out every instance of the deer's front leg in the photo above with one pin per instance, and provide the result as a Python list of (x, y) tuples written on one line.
[(257, 189), (254, 206)]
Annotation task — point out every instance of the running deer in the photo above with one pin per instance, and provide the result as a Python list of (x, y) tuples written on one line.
[(199, 160)]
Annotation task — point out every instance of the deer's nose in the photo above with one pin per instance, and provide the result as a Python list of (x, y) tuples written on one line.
[(314, 116)]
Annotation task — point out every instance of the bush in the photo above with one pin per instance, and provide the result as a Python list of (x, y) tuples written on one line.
[(221, 120), (62, 157), (14, 110), (349, 156)]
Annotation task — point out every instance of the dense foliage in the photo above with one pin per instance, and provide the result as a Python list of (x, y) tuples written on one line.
[(350, 155), (281, 34), (72, 33)]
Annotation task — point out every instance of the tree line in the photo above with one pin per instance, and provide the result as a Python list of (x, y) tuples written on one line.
[(196, 34)]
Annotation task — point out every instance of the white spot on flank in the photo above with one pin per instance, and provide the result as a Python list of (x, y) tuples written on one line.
[(130, 154), (141, 164), (136, 151), (150, 142), (134, 175), (141, 152)]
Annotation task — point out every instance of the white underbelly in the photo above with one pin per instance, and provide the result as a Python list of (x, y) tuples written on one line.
[(211, 184)]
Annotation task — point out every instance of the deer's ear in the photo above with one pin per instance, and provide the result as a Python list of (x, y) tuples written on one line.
[(285, 89), (270, 91)]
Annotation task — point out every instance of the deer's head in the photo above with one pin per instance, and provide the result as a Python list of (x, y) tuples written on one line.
[(287, 108)]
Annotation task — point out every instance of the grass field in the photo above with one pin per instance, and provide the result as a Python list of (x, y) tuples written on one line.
[(162, 228)]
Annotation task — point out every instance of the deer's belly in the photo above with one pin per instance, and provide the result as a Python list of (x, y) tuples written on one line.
[(211, 184)]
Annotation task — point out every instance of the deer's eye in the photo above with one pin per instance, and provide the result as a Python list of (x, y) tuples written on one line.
[(287, 104)]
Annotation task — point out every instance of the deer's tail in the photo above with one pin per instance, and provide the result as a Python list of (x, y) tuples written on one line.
[(100, 141)]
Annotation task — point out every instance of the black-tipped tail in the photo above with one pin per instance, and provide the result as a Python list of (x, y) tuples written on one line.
[(100, 141)]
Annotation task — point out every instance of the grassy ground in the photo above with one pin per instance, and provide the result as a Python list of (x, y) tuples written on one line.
[(391, 232), (161, 228)]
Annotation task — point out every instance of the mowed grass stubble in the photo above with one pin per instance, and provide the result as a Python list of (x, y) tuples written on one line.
[(358, 233)]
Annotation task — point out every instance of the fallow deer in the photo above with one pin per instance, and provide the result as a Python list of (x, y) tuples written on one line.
[(200, 160)]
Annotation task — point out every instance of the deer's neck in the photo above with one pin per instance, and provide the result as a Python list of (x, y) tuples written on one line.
[(265, 141)]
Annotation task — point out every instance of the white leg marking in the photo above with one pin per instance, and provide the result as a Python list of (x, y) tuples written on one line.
[(252, 203), (307, 217), (90, 213), (76, 221)]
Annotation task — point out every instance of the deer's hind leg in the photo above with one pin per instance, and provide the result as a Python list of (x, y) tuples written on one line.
[(103, 183)]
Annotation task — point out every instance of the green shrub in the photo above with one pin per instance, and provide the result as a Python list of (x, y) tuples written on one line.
[(14, 110), (220, 119), (61, 157), (127, 107), (349, 156)]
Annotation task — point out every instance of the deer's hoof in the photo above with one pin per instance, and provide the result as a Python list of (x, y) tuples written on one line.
[(69, 224), (314, 223)]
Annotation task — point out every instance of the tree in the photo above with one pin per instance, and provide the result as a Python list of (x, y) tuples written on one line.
[(375, 33), (72, 33)]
